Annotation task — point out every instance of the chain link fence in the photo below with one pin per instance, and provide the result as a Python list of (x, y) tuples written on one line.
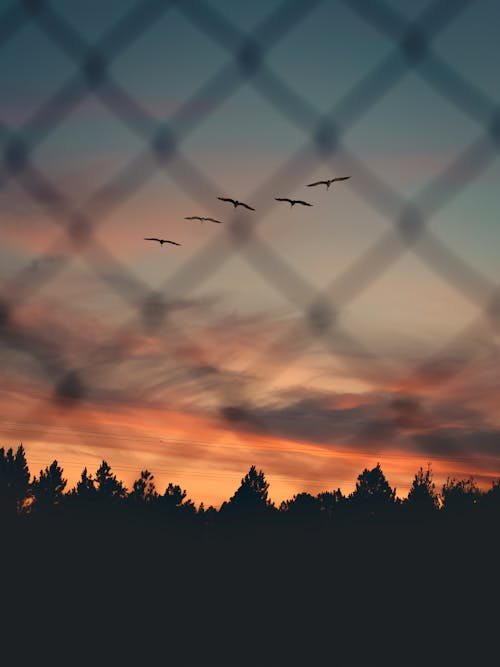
[(409, 220)]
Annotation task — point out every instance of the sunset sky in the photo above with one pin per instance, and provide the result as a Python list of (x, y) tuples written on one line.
[(310, 342)]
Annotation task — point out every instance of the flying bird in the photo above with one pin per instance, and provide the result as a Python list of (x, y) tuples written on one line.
[(202, 219), (161, 241), (329, 181), (236, 203), (293, 201)]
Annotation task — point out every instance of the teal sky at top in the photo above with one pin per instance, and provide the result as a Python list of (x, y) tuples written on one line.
[(407, 136), (322, 58)]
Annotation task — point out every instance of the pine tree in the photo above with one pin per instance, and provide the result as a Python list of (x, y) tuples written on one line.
[(302, 506), (48, 488), (251, 498), (85, 487), (144, 490), (14, 481), (373, 493), (174, 501), (460, 496), (109, 489), (422, 497)]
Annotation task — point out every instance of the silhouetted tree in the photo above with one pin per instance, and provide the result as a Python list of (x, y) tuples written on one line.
[(82, 498), (250, 499), (422, 497), (207, 514), (460, 496), (492, 497), (174, 495), (330, 502), (85, 487), (301, 506), (174, 501), (373, 494), (144, 490), (109, 489), (48, 488), (14, 480)]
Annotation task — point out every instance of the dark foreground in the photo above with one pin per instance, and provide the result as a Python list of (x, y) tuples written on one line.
[(115, 593)]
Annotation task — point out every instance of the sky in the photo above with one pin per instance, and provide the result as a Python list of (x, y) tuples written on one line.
[(311, 342)]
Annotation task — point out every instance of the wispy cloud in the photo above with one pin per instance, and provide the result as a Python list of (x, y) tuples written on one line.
[(206, 393)]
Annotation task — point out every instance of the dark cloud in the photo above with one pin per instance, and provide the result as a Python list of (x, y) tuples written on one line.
[(69, 389), (459, 442), (31, 351), (385, 422), (310, 418), (406, 411)]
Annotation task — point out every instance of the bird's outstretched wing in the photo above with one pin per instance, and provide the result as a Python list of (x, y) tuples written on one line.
[(160, 241), (193, 217), (212, 220), (236, 203), (329, 181), (300, 201), (283, 199)]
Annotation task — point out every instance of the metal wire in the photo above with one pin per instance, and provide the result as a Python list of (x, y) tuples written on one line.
[(409, 221)]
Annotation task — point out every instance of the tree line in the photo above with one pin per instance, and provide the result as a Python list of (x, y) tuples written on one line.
[(101, 493)]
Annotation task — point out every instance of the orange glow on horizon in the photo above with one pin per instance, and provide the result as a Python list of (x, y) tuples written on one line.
[(204, 454)]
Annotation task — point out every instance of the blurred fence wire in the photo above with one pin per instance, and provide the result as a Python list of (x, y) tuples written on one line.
[(409, 221)]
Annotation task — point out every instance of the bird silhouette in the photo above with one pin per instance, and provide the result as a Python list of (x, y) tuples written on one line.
[(236, 203), (161, 241), (202, 219), (292, 202), (328, 181)]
